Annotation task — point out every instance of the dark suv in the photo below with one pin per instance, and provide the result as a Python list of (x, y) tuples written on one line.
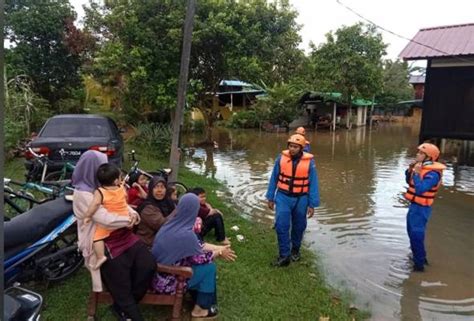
[(65, 137)]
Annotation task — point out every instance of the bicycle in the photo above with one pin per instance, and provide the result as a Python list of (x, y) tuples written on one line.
[(22, 200), (39, 170), (181, 189)]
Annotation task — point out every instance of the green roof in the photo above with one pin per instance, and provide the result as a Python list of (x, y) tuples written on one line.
[(336, 97)]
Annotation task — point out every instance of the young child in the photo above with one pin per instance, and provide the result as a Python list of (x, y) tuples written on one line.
[(424, 179), (138, 190), (211, 218), (172, 194), (113, 197)]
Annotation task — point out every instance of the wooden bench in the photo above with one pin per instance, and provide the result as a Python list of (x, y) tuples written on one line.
[(182, 273)]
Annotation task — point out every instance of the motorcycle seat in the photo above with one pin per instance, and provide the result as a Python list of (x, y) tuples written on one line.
[(28, 227)]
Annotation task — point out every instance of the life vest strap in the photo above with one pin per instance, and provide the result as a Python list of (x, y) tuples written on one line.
[(296, 177), (433, 189), (294, 185), (422, 196)]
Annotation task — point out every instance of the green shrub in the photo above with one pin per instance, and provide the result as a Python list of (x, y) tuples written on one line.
[(14, 132), (245, 119), (154, 137), (280, 104)]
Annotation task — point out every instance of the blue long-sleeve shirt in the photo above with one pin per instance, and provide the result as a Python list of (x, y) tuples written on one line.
[(430, 180), (313, 194)]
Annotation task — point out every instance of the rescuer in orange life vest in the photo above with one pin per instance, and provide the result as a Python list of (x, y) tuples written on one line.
[(424, 179), (293, 188)]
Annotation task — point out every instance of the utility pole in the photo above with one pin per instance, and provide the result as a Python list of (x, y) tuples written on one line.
[(182, 86)]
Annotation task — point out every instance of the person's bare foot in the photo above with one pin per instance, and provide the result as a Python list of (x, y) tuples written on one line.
[(199, 312), (225, 241)]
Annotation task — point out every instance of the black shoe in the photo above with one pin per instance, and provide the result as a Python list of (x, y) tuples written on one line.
[(295, 255), (281, 261), (426, 262), (417, 268)]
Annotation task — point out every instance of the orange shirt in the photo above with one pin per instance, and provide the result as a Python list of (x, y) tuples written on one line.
[(115, 201)]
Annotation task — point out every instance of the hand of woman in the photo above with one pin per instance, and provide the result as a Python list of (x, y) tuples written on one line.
[(226, 253), (134, 219)]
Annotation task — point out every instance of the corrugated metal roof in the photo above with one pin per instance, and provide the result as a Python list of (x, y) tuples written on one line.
[(235, 83), (446, 41)]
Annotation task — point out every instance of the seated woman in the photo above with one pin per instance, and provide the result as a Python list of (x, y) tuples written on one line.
[(177, 244), (154, 211), (130, 266)]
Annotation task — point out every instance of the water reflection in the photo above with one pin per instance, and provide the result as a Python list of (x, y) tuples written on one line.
[(359, 229)]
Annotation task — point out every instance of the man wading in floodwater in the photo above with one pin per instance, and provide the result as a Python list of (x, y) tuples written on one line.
[(424, 179), (293, 188)]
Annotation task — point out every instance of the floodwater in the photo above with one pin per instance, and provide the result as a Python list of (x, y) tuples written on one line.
[(359, 230)]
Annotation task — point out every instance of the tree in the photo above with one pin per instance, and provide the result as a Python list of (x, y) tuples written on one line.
[(254, 41), (395, 83), (350, 62), (140, 45), (46, 46), (138, 57)]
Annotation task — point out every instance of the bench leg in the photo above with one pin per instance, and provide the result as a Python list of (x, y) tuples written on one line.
[(178, 302), (92, 306)]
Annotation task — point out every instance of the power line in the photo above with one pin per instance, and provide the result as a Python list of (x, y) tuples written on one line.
[(394, 33)]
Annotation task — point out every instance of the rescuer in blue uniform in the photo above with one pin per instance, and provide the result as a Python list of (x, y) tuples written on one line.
[(293, 188), (424, 179)]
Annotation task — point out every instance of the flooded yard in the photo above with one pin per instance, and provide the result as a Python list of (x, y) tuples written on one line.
[(359, 230)]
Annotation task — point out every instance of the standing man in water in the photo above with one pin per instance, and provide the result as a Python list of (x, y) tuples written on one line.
[(424, 179), (293, 188), (302, 132)]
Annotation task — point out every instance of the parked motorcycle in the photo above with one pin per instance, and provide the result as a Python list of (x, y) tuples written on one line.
[(20, 304), (41, 244)]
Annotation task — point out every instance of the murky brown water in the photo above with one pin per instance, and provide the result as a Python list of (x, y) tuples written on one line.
[(359, 229)]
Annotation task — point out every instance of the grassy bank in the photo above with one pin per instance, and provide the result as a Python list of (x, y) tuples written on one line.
[(248, 289)]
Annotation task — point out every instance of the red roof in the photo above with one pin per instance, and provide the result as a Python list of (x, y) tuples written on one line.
[(446, 41)]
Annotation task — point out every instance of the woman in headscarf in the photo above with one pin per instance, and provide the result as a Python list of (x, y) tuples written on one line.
[(130, 267), (177, 244), (154, 211)]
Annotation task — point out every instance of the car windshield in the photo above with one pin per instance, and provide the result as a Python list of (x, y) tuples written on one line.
[(76, 127)]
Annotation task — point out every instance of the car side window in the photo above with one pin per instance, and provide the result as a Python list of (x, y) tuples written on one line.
[(114, 127)]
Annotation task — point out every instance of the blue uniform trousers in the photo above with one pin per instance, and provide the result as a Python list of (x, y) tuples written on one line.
[(417, 218), (290, 212)]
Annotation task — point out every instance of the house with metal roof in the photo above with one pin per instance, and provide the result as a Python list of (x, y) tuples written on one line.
[(231, 96), (329, 110), (448, 101)]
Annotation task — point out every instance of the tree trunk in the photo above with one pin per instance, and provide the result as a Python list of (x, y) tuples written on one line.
[(209, 126)]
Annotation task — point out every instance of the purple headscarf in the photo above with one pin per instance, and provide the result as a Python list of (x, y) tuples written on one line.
[(176, 239), (84, 177)]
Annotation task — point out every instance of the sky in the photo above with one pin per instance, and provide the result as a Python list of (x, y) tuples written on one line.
[(404, 17)]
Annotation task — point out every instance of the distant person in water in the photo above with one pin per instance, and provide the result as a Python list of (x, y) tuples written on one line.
[(301, 131)]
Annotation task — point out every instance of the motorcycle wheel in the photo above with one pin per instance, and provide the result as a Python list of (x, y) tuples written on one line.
[(62, 258)]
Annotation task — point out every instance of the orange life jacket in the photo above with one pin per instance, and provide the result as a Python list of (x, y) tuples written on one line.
[(426, 198), (294, 180)]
